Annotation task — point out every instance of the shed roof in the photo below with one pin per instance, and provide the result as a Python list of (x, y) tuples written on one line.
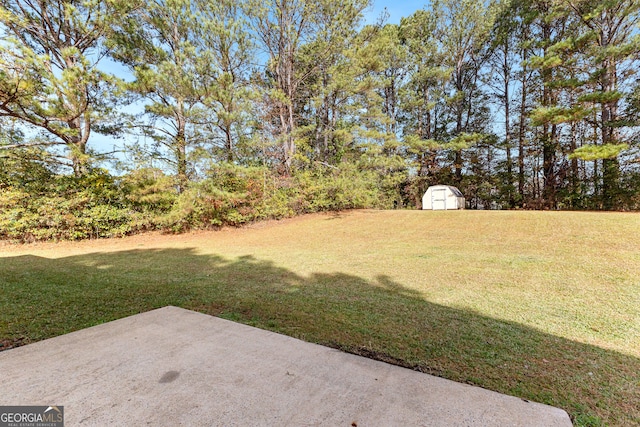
[(453, 189)]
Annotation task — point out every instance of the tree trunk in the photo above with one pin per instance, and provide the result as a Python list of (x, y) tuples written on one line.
[(458, 153), (521, 136), (77, 143), (228, 144), (507, 127), (610, 167), (181, 150), (549, 133), (549, 167)]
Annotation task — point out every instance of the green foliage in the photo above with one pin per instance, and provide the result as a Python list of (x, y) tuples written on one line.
[(233, 195), (464, 141), (629, 191), (49, 79), (305, 42), (97, 204), (25, 170), (596, 152), (149, 190), (222, 198), (69, 208), (583, 418), (334, 189), (557, 115), (25, 218)]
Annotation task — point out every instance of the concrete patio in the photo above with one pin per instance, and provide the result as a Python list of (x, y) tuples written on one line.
[(177, 367)]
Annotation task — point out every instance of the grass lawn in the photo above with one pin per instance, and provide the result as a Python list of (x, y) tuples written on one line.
[(541, 305)]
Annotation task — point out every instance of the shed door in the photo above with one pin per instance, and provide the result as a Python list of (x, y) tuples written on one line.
[(439, 199)]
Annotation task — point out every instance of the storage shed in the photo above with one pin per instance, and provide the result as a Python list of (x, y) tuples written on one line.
[(442, 197)]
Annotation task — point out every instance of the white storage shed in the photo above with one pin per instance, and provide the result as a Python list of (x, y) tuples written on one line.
[(442, 197)]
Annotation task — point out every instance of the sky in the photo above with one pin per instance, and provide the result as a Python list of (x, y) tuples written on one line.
[(396, 8)]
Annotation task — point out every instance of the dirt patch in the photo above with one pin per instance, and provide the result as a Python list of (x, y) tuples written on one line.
[(384, 357), (6, 344)]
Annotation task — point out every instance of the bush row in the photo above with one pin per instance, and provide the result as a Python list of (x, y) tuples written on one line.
[(101, 205)]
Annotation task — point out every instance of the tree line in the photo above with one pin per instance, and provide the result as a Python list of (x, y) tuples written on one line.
[(521, 104)]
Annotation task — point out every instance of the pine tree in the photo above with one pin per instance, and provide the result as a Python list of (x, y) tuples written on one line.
[(610, 46), (283, 27), (50, 81)]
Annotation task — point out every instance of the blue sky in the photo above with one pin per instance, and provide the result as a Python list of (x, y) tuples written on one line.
[(396, 8)]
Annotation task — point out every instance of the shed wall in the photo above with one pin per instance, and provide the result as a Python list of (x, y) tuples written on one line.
[(442, 197)]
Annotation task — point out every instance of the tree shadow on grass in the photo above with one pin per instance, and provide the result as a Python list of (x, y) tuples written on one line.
[(381, 319)]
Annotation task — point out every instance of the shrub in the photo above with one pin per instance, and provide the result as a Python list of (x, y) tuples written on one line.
[(344, 187), (100, 205), (149, 190), (225, 197), (71, 208)]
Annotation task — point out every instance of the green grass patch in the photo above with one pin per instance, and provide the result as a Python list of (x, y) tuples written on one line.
[(540, 305)]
